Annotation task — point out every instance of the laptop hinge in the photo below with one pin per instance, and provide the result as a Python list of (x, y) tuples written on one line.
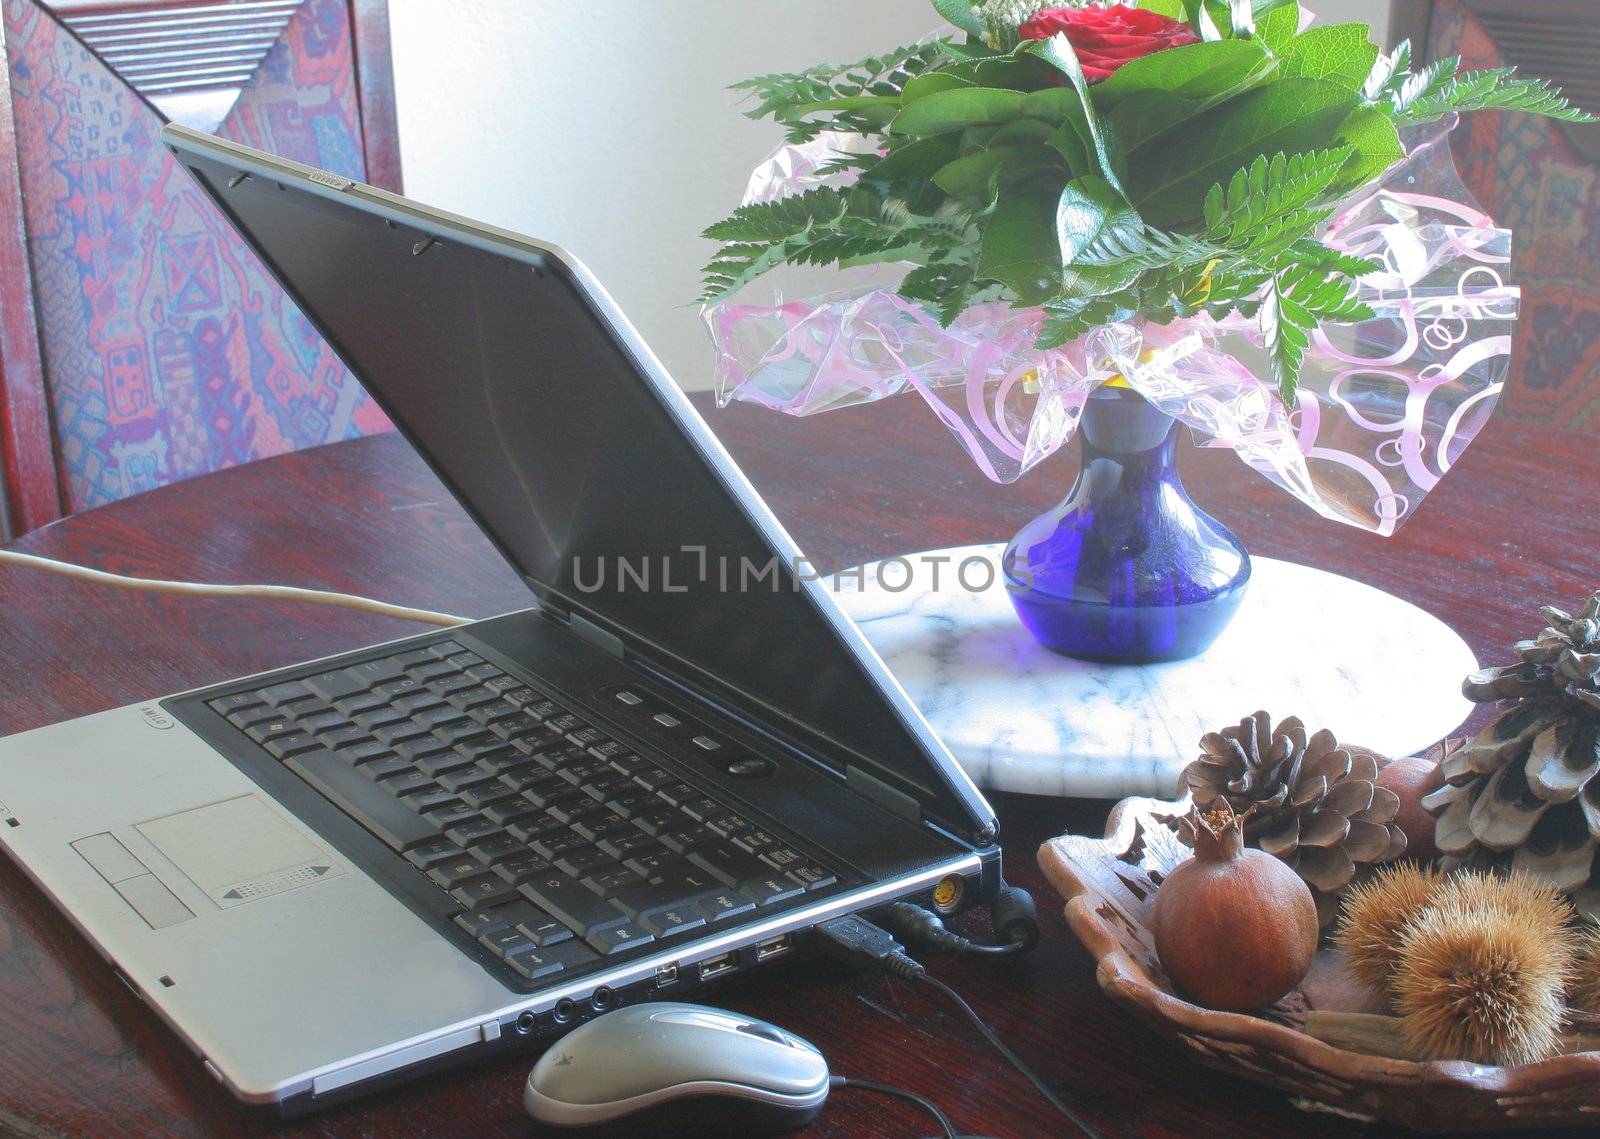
[(595, 635), (884, 795)]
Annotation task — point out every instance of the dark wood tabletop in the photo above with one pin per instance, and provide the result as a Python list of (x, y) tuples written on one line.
[(79, 1055)]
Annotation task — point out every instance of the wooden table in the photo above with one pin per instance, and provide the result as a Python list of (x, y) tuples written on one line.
[(80, 1056)]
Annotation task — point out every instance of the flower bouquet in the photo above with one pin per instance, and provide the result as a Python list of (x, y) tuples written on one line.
[(1185, 211)]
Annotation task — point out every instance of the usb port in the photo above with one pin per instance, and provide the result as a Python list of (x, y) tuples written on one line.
[(666, 975), (773, 947), (717, 966)]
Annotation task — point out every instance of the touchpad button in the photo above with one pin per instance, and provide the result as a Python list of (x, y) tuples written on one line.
[(239, 850)]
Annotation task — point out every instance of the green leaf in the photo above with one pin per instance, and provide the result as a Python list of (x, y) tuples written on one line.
[(977, 175), (1489, 90), (1205, 74), (914, 160), (1054, 104), (960, 14), (1268, 205), (1058, 52), (1088, 211), (1375, 146), (930, 83), (1070, 143), (1067, 321), (1019, 245), (1278, 27), (946, 287), (850, 103), (1171, 9), (1340, 53), (1173, 171), (955, 110), (1032, 132)]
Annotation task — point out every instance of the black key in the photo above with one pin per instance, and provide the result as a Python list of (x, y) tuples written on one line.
[(486, 920), (543, 929), (431, 854), (432, 670), (376, 671), (617, 938), (409, 783), (337, 684), (503, 683), (432, 718), (554, 844), (728, 824), (608, 786), (324, 720), (392, 734), (505, 942), (488, 794), (465, 660), (421, 748), (683, 881), (292, 744), (440, 650), (812, 876), (523, 697), (607, 749), (586, 737), (269, 729), (782, 857), (532, 826), (678, 793), (724, 905), (580, 771), (683, 838), (238, 702), (482, 671), (378, 717), (622, 843), (519, 911), (470, 739), (611, 879), (655, 818), (493, 711), (630, 764), (452, 814), (472, 831), (522, 775), (510, 811), (344, 737), (286, 693), (440, 762), (363, 751), (729, 863), (544, 961), (449, 875), (581, 860), (360, 702), (636, 899), (567, 899), (385, 767), (508, 761), (772, 888), (417, 701), (630, 804), (449, 685), (597, 827), (580, 806), (415, 657), (702, 808), (673, 919), (461, 778), (363, 800), (392, 690), (520, 867), (547, 795), (539, 708), (654, 778), (469, 698), (755, 841), (485, 890), (432, 798), (565, 722), (647, 862), (497, 846)]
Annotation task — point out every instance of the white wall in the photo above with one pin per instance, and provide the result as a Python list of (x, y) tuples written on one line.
[(606, 127)]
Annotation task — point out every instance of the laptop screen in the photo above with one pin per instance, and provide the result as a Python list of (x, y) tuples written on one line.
[(538, 420)]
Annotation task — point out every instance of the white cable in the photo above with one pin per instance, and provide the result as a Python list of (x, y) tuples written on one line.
[(199, 589)]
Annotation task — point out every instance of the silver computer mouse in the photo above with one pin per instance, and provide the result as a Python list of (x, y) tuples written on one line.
[(678, 1069)]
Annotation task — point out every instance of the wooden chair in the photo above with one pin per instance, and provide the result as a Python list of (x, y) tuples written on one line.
[(1540, 178), (140, 341)]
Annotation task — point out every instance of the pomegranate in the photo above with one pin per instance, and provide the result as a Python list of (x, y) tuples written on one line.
[(1411, 779), (1235, 929)]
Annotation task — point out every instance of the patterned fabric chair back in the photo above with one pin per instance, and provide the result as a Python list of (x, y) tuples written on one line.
[(166, 350), (1526, 172)]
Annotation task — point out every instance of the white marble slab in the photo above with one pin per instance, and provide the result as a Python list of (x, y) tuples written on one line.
[(1339, 654)]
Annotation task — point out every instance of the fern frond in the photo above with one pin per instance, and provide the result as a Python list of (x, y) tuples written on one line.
[(1495, 90), (1066, 321), (1272, 196), (792, 99)]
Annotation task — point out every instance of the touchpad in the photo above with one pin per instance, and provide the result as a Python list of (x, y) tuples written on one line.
[(239, 850)]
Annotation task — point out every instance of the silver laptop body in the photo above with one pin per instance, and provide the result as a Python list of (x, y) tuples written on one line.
[(297, 956)]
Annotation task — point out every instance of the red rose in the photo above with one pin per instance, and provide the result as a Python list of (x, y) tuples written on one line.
[(1106, 38)]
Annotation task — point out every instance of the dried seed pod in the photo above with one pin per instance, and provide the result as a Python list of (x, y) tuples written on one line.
[(1584, 990), (1374, 914), (1484, 985)]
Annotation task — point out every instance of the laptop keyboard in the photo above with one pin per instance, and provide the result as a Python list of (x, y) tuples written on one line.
[(559, 844)]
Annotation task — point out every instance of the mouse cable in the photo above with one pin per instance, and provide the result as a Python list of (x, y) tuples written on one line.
[(855, 939), (901, 1093), (203, 589), (1011, 912)]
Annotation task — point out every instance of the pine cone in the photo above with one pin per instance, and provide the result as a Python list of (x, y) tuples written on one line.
[(1310, 802), (1521, 794)]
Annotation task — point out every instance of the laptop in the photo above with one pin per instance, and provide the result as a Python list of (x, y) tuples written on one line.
[(677, 760)]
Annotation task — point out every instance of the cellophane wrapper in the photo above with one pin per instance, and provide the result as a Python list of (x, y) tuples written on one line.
[(1385, 409)]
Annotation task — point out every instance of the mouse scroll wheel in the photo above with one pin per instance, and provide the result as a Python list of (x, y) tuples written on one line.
[(764, 1031)]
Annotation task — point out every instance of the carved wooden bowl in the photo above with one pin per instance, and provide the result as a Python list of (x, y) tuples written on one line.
[(1109, 885)]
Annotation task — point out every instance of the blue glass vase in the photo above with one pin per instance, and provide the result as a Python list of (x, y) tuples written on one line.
[(1127, 568)]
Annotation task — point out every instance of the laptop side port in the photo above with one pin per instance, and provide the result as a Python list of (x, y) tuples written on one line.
[(666, 975), (717, 966), (773, 947)]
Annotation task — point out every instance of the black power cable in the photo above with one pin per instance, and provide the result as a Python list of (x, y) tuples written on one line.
[(855, 939)]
